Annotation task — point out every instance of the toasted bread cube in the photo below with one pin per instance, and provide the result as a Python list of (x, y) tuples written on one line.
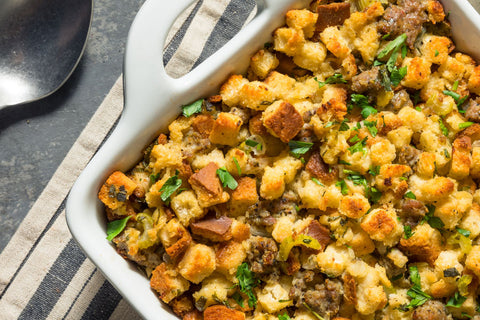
[(354, 206), (256, 95), (334, 104), (225, 129), (282, 120), (310, 56), (246, 192), (207, 186), (452, 69), (335, 42), (382, 152), (474, 81), (274, 297), (418, 72), (359, 241), (335, 259), (165, 155), (425, 244), (461, 159), (280, 84), (240, 230), (175, 238), (332, 14), (214, 229), (197, 263), (453, 208), (202, 160), (230, 90), (431, 190), (473, 260), (382, 225), (302, 19), (203, 124), (186, 207), (229, 255), (475, 165), (273, 184), (168, 283), (471, 221), (400, 137), (426, 165), (436, 49), (178, 128), (214, 289), (220, 312), (263, 62), (116, 190), (288, 40)]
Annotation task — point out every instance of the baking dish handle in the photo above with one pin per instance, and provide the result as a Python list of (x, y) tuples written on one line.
[(146, 82)]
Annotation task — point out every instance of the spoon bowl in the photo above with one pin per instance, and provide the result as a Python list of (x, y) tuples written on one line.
[(41, 43)]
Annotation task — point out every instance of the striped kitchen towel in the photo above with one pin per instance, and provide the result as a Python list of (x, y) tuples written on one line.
[(43, 272)]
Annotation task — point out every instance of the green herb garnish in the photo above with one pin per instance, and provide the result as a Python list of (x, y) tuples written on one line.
[(436, 53), (464, 125), (335, 79), (393, 45), (456, 301), (115, 227), (407, 230), (410, 195), (227, 179), (253, 144), (361, 101), (298, 148), (238, 166), (434, 222), (374, 171), (415, 292), (284, 317), (170, 186), (463, 232), (318, 182), (443, 128), (371, 126), (247, 281), (359, 146), (343, 186), (190, 109), (344, 162), (154, 178)]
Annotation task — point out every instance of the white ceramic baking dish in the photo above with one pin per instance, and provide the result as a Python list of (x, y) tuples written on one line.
[(153, 99)]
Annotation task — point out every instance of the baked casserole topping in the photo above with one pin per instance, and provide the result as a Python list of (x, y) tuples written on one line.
[(336, 179)]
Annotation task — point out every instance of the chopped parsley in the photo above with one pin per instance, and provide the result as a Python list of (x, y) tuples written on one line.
[(436, 53), (344, 125), (458, 99), (415, 292), (284, 317), (372, 127), (361, 101), (238, 166), (344, 162), (407, 230), (169, 187), (318, 182), (154, 177), (337, 78), (359, 146), (463, 232), (253, 144), (393, 45), (298, 148), (434, 222), (394, 48), (247, 281), (455, 86), (354, 139), (343, 186), (374, 171), (238, 299), (227, 179), (464, 125), (191, 109), (456, 301), (443, 128), (115, 227), (397, 75), (410, 195)]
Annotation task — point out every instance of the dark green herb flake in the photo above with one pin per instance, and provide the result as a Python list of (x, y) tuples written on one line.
[(227, 179), (195, 107), (298, 148), (115, 227)]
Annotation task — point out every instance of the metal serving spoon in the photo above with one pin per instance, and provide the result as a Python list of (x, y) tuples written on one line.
[(41, 42)]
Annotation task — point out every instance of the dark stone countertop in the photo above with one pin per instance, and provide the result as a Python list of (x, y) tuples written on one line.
[(35, 137)]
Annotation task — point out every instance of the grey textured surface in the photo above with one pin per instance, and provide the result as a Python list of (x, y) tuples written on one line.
[(35, 137)]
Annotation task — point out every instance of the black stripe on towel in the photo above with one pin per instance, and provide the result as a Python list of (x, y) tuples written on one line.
[(227, 27), (103, 304), (55, 282), (172, 47)]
